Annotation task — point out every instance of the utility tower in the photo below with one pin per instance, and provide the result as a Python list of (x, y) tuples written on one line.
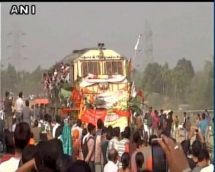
[(15, 49)]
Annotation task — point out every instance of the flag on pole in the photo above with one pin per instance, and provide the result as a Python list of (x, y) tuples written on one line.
[(138, 40)]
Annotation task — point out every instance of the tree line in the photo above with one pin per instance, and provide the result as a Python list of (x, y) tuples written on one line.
[(16, 81), (163, 87)]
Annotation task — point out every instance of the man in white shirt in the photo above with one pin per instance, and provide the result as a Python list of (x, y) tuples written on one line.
[(114, 142), (19, 105), (112, 161)]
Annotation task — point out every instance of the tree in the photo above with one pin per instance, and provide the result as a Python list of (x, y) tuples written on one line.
[(181, 77), (152, 78), (166, 80), (201, 88)]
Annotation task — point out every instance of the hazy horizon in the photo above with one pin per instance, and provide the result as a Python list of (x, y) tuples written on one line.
[(180, 29)]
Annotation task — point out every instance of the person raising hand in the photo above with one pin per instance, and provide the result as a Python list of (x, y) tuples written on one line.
[(176, 158)]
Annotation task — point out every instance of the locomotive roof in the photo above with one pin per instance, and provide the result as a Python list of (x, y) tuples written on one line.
[(89, 52)]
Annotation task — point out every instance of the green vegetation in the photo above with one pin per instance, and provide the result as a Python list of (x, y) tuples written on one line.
[(163, 87), (167, 88)]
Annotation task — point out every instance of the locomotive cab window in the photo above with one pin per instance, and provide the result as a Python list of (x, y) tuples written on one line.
[(90, 67), (113, 68)]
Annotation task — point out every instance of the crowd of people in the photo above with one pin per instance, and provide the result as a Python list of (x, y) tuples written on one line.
[(53, 143), (52, 79), (156, 122)]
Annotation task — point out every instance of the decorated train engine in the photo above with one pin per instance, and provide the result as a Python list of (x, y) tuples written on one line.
[(101, 77)]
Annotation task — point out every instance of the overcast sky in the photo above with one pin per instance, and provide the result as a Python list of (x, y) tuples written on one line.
[(179, 30)]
